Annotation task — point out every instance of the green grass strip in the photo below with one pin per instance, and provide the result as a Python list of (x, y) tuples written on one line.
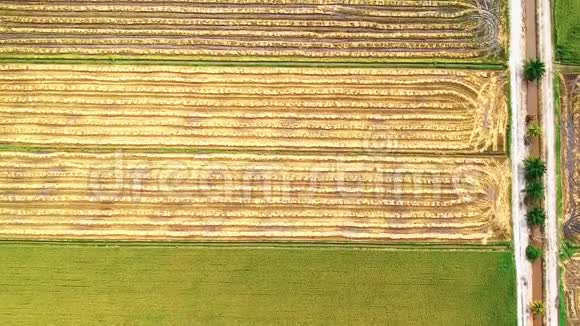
[(557, 112), (567, 31), (562, 306), (499, 245), (207, 150), (251, 59), (248, 63), (559, 194)]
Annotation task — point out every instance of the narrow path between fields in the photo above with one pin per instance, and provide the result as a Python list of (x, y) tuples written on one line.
[(518, 153), (547, 99)]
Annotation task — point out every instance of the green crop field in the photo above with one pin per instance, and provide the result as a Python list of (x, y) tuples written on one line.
[(249, 285), (567, 28)]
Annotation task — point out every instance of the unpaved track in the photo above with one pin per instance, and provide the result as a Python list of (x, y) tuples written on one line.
[(547, 100), (518, 152)]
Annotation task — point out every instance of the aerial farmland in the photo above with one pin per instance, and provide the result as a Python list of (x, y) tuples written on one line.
[(256, 162)]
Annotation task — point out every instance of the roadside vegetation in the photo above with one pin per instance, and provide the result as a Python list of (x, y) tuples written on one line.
[(536, 216), (534, 69), (534, 130), (533, 252), (537, 307)]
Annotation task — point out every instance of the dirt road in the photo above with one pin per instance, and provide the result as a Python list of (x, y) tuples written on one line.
[(547, 100), (518, 153), (535, 150)]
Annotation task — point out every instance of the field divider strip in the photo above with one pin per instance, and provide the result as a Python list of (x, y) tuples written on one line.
[(265, 63), (492, 246), (197, 150)]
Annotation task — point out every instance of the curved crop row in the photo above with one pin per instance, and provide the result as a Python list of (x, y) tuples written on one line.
[(313, 30), (253, 197), (293, 109)]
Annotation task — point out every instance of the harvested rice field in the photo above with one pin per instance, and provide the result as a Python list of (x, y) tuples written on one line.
[(244, 162), (254, 108), (571, 283), (254, 285), (570, 151), (252, 197), (319, 30)]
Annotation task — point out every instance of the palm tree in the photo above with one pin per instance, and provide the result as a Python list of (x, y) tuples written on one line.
[(535, 189), (533, 253), (534, 69), (537, 308), (534, 130), (536, 216), (534, 167)]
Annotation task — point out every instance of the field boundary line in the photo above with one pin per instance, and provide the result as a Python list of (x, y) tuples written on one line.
[(209, 63), (505, 246), (518, 152), (198, 150), (551, 273), (567, 68)]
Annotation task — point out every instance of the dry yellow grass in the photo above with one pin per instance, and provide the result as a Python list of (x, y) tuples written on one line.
[(253, 197), (314, 29), (292, 109)]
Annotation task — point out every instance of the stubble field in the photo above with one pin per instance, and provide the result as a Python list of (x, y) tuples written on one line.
[(570, 151), (302, 180), (285, 109), (346, 30), (254, 197), (569, 104), (571, 279)]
